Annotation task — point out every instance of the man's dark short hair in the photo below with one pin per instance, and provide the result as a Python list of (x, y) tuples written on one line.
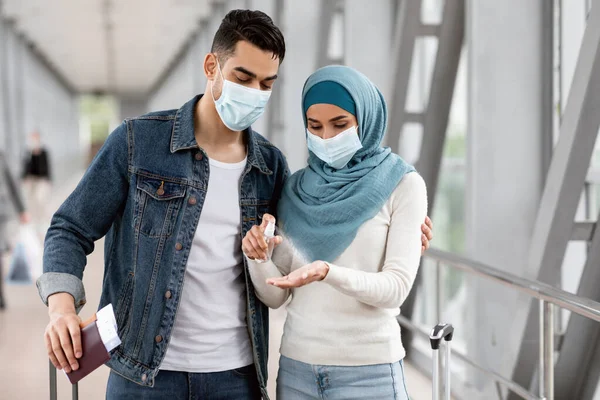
[(255, 27)]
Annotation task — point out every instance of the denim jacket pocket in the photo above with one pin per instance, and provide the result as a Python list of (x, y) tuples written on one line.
[(157, 205)]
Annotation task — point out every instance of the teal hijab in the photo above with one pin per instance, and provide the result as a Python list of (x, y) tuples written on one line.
[(321, 208)]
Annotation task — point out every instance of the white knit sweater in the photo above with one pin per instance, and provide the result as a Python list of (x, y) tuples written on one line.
[(349, 318)]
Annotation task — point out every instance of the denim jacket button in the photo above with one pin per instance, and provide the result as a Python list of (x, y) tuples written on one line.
[(178, 246), (144, 378), (198, 156), (192, 200), (168, 294), (158, 339)]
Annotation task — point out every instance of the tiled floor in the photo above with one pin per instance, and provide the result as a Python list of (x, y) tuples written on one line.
[(23, 361)]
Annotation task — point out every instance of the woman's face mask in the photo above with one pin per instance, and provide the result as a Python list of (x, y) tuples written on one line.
[(332, 134), (336, 151)]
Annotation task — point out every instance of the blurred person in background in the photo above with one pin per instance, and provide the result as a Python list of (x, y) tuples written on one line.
[(10, 199), (352, 222), (37, 183)]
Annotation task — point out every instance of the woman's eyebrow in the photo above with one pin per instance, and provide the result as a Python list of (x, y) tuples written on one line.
[(338, 118)]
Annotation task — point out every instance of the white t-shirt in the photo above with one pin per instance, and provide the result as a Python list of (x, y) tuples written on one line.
[(210, 333)]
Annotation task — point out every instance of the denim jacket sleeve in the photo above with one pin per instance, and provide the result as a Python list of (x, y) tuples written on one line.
[(85, 217)]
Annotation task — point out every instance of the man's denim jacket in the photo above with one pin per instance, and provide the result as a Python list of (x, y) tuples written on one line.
[(144, 191)]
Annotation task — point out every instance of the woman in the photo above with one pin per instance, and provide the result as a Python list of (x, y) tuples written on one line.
[(9, 198), (352, 221)]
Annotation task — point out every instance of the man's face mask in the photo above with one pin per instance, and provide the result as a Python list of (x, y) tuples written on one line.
[(239, 106), (336, 151)]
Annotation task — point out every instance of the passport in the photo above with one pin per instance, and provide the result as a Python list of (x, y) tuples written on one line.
[(98, 337)]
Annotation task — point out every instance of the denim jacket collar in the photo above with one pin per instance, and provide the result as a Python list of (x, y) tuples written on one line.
[(183, 136)]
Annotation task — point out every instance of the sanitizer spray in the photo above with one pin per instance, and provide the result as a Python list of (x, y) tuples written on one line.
[(269, 235)]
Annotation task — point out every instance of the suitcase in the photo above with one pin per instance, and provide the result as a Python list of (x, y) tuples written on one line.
[(439, 332), (53, 389)]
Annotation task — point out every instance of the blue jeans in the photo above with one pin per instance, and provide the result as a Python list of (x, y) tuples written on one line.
[(237, 384), (300, 381)]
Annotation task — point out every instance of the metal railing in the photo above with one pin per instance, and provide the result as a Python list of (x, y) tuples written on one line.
[(548, 296)]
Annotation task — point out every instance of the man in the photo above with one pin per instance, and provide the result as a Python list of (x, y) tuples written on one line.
[(174, 192)]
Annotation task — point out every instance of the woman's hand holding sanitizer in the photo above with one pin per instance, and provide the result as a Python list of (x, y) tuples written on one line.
[(259, 242)]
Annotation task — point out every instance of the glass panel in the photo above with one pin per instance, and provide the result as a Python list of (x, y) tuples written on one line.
[(449, 226), (335, 51), (97, 114), (410, 142), (432, 11), (449, 211), (597, 395), (572, 25), (421, 72), (449, 207)]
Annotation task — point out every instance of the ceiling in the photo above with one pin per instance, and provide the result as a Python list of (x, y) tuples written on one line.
[(109, 45)]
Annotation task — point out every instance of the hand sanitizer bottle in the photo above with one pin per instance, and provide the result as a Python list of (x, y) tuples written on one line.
[(269, 235)]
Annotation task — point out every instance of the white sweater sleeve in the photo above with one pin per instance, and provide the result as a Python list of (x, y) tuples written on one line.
[(389, 287), (280, 265)]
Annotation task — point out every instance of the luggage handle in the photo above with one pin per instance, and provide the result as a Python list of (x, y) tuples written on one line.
[(53, 385), (439, 332)]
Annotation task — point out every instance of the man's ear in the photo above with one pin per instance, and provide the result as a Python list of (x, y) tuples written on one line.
[(211, 66)]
